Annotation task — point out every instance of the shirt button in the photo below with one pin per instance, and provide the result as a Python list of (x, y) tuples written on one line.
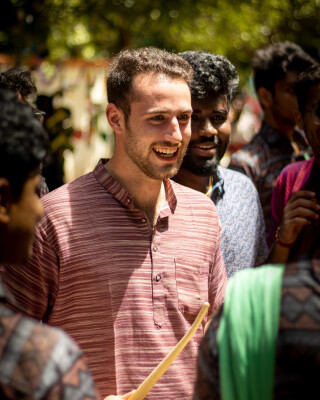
[(128, 200), (155, 248), (158, 277), (143, 220)]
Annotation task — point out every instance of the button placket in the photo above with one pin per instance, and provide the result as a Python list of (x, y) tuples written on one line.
[(157, 282)]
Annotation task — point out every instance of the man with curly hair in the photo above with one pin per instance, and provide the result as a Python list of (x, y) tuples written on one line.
[(275, 71), (214, 82)]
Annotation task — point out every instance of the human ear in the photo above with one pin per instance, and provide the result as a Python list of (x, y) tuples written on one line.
[(265, 97), (115, 118), (298, 117), (4, 201)]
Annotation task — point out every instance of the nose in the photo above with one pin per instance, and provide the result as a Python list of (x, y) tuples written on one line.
[(207, 128), (173, 132)]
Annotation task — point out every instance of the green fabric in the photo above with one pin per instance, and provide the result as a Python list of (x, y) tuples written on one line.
[(248, 332)]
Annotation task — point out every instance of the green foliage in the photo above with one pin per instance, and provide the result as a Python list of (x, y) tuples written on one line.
[(100, 28)]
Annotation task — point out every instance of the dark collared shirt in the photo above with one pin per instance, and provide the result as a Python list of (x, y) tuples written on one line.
[(264, 158)]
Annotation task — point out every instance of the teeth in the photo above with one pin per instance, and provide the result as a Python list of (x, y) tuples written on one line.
[(161, 150), (205, 146)]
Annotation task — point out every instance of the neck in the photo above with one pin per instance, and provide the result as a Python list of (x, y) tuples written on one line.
[(285, 129), (196, 182), (148, 194)]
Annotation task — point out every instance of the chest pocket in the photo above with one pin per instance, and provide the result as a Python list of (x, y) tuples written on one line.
[(188, 280)]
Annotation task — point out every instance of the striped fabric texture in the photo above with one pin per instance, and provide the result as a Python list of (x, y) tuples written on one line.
[(126, 293)]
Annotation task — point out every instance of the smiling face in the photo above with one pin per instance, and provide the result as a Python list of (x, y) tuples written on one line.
[(158, 129), (210, 136)]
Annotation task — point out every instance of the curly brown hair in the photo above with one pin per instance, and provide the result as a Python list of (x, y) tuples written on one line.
[(130, 63)]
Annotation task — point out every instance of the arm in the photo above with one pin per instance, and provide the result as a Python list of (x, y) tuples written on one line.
[(34, 284)]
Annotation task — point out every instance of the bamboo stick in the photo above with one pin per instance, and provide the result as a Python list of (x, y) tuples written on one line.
[(156, 374)]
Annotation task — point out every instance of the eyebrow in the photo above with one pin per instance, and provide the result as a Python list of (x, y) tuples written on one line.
[(195, 111), (159, 111)]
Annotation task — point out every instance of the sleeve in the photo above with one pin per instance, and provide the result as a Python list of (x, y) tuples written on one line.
[(262, 248), (34, 284), (70, 374), (218, 276), (207, 386)]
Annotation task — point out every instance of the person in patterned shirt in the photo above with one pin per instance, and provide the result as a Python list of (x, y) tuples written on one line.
[(283, 361), (243, 243), (278, 143), (36, 361)]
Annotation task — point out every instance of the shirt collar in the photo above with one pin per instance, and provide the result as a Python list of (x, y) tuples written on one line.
[(275, 138), (113, 187), (218, 186)]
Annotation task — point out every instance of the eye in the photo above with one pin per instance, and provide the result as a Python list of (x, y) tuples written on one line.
[(157, 118), (184, 117), (194, 117), (218, 119)]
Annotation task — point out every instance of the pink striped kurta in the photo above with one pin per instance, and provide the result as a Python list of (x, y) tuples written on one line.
[(126, 294)]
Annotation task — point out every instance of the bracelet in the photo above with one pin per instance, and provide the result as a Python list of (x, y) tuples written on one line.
[(278, 241)]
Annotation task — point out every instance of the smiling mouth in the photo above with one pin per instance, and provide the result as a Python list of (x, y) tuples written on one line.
[(166, 152), (208, 146)]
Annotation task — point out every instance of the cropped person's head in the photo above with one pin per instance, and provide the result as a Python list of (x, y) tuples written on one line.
[(23, 146), (271, 64), (130, 63), (275, 72), (20, 81), (307, 117)]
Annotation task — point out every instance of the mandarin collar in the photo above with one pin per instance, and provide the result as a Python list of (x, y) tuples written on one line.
[(113, 187)]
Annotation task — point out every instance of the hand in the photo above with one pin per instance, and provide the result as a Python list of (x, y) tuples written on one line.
[(301, 210), (123, 397)]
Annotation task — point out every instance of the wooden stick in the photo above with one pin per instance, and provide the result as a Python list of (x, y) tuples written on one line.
[(156, 374)]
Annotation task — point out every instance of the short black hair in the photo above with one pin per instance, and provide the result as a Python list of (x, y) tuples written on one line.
[(214, 75), (23, 141), (270, 64), (19, 80), (130, 63), (306, 79)]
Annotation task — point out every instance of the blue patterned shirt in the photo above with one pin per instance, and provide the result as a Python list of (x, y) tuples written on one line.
[(243, 242)]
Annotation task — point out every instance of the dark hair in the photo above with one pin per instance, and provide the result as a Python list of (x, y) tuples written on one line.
[(130, 63), (19, 80), (271, 63), (305, 81), (214, 75), (23, 141)]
